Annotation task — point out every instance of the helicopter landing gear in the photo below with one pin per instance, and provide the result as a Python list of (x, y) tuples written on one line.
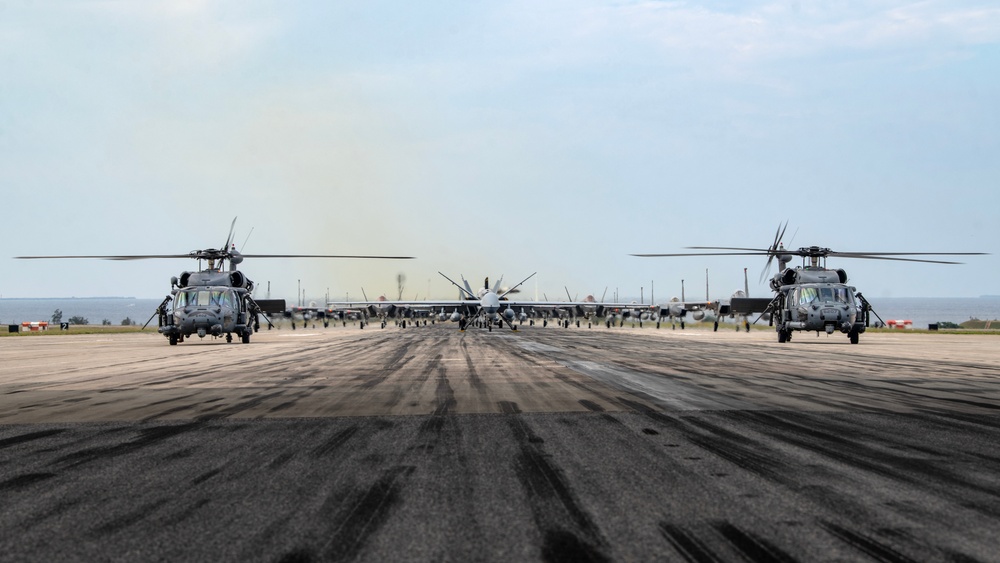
[(245, 337), (784, 335), (383, 324), (746, 325), (173, 339), (854, 335), (229, 337), (715, 327)]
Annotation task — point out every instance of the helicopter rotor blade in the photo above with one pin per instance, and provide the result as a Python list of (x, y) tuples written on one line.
[(757, 253), (863, 256), (125, 257), (327, 256), (229, 239), (195, 254), (774, 247), (876, 254)]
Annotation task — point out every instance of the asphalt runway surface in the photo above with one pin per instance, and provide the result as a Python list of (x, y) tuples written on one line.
[(426, 443)]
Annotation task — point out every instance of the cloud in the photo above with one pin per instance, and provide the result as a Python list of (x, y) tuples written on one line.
[(190, 34), (751, 33)]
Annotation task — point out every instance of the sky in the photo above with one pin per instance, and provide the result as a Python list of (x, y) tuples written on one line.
[(497, 139)]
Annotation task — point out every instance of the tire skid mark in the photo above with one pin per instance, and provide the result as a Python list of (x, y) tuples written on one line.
[(751, 546), (206, 476), (726, 444), (254, 401), (414, 383), (856, 453), (30, 436), (556, 371), (867, 545), (188, 512), (566, 526), (688, 545), (24, 481), (335, 442), (281, 460), (363, 514), (129, 518), (472, 372), (147, 436), (59, 509), (431, 429)]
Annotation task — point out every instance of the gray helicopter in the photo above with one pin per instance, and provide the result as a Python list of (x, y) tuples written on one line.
[(810, 297), (214, 301)]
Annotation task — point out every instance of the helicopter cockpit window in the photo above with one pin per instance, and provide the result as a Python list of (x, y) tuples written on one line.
[(841, 295), (223, 298), (826, 294), (807, 295), (194, 298)]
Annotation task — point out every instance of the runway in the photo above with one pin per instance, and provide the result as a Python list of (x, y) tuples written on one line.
[(552, 444)]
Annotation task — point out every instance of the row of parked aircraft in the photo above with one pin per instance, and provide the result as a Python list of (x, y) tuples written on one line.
[(495, 306)]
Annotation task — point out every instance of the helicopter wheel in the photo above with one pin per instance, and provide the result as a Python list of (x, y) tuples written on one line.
[(715, 327), (229, 337), (782, 336), (173, 339), (245, 337), (746, 325), (854, 335), (383, 324)]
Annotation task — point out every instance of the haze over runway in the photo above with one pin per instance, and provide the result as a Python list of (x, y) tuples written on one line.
[(427, 443), (496, 139)]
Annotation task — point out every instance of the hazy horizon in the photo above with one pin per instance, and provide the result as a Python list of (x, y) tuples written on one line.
[(494, 139)]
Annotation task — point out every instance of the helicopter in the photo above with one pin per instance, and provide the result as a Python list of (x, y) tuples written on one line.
[(810, 297), (214, 300)]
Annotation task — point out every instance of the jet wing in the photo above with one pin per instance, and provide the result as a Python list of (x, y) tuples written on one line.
[(748, 305), (271, 306)]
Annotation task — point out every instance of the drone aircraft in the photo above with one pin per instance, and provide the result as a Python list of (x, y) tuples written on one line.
[(214, 301), (810, 297), (486, 307)]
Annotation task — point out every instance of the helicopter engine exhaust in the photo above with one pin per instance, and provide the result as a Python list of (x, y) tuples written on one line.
[(237, 279)]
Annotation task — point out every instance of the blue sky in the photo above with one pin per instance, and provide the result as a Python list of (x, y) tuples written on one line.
[(497, 139)]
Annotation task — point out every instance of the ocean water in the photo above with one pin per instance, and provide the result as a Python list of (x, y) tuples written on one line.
[(926, 310), (921, 311)]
